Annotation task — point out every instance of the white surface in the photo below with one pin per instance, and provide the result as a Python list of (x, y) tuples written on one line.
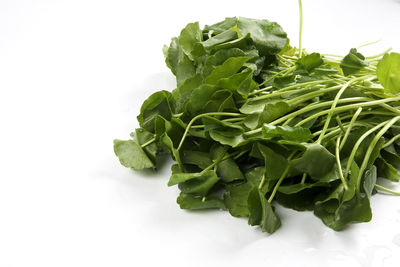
[(73, 74)]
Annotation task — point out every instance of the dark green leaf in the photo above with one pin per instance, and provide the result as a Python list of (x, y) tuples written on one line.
[(309, 62), (236, 197), (198, 184), (143, 136), (190, 202), (369, 181), (298, 133), (261, 212), (227, 169), (159, 103), (268, 37), (316, 161), (198, 158), (230, 67), (190, 35), (353, 62), (387, 171)]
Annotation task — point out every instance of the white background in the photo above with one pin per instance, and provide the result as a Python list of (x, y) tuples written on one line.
[(73, 75)]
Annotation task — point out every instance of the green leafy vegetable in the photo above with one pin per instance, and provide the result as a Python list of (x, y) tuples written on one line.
[(254, 122)]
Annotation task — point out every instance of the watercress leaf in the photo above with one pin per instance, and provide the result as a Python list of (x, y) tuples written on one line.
[(184, 70), (271, 221), (275, 164), (300, 201), (376, 152), (242, 82), (242, 42), (298, 133), (256, 205), (227, 169), (388, 71), (220, 38), (355, 210), (199, 185), (261, 212), (224, 25), (386, 170), (235, 199), (189, 36), (353, 62), (228, 128), (284, 81), (221, 100), (143, 136), (173, 128), (369, 180), (316, 161), (191, 202), (225, 139), (172, 54), (251, 121), (236, 195), (230, 67), (218, 58), (159, 103), (268, 37), (295, 188), (182, 93), (168, 145), (198, 158), (199, 97), (254, 175), (268, 110), (391, 156), (131, 155), (180, 177), (309, 62)]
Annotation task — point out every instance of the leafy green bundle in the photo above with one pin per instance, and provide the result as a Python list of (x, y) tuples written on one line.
[(255, 121)]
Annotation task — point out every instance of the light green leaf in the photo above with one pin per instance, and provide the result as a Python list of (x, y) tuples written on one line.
[(388, 71), (131, 155)]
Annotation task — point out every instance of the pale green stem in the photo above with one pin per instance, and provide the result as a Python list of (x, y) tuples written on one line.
[(381, 54), (370, 43), (339, 164), (285, 172), (261, 90), (303, 179), (285, 89), (335, 102), (339, 122), (301, 28), (320, 105), (350, 107), (391, 141), (148, 142), (303, 98), (357, 144), (352, 121), (371, 148), (310, 108), (262, 182), (379, 187)]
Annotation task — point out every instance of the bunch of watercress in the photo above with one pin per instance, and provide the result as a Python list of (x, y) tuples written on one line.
[(254, 121)]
